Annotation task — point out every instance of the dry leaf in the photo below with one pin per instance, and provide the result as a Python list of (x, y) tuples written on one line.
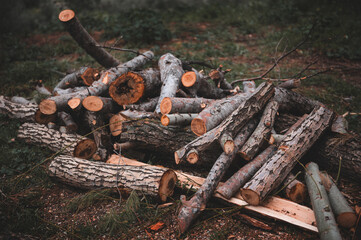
[(157, 226)]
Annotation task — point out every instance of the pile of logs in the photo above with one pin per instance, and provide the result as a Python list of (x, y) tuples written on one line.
[(256, 136)]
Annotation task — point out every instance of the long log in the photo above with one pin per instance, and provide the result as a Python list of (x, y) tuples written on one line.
[(177, 119), (86, 174), (231, 125), (345, 215), (290, 151), (262, 132), (51, 105), (24, 113), (325, 219), (130, 87), (184, 105), (192, 208), (171, 73), (70, 144), (83, 38)]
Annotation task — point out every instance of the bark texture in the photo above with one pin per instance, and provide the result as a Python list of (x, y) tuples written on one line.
[(184, 105), (290, 151), (147, 106), (25, 113), (177, 119), (86, 174)]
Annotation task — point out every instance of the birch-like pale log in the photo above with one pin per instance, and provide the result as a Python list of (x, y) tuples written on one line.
[(86, 174)]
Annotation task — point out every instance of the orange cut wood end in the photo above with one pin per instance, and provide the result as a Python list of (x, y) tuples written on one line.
[(198, 126), (85, 149), (244, 155), (192, 157), (74, 103), (164, 120), (189, 79), (167, 185), (115, 124), (47, 107), (90, 75), (166, 105), (347, 219), (250, 196), (127, 89), (228, 147), (43, 118), (93, 103), (66, 15)]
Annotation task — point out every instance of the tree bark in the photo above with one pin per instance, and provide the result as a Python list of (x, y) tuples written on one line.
[(290, 151), (68, 121), (231, 125), (44, 119), (295, 190), (262, 132), (130, 87), (86, 174), (83, 38), (184, 105), (177, 119), (24, 113), (171, 73), (344, 214), (99, 87), (147, 106), (70, 144), (325, 219)]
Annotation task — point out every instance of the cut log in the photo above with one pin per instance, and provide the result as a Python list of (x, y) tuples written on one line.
[(274, 207), (325, 219), (56, 141), (171, 73), (207, 90), (215, 113), (90, 75), (68, 121), (231, 125), (295, 190), (96, 104), (148, 106), (262, 132), (177, 119), (99, 87), (217, 75), (86, 174), (234, 183), (24, 113), (44, 119), (192, 208), (130, 87), (83, 38), (344, 214), (189, 79), (183, 105), (290, 151)]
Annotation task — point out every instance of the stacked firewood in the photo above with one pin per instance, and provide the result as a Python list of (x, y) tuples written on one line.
[(176, 111)]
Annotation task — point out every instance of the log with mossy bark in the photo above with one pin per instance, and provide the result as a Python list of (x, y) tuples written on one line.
[(22, 112), (71, 144), (130, 87), (345, 215), (325, 219), (171, 72), (99, 87), (289, 152), (231, 125), (150, 180), (83, 38)]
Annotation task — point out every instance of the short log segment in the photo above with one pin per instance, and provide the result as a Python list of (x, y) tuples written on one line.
[(231, 125), (103, 104), (262, 132), (99, 87), (68, 121), (85, 174), (295, 190), (234, 183), (184, 105), (44, 119), (192, 208), (177, 119), (24, 113), (345, 216), (325, 219), (70, 144), (130, 87), (290, 151), (171, 72), (83, 38), (147, 106)]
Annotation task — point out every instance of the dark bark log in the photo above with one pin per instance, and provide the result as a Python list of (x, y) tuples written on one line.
[(184, 105), (218, 77), (231, 125), (147, 106), (99, 87), (68, 121), (83, 38), (339, 125), (262, 132), (56, 141), (44, 119), (85, 174), (290, 151), (130, 87), (171, 73), (345, 216), (295, 190), (25, 113), (325, 219), (177, 119), (207, 90)]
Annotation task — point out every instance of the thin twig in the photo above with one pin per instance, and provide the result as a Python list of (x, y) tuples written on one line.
[(124, 50)]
